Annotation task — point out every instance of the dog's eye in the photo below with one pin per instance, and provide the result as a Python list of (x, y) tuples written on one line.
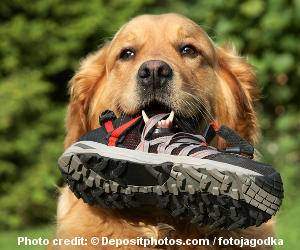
[(188, 50), (127, 54)]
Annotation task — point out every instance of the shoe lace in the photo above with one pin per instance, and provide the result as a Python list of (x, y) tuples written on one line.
[(186, 142), (183, 141)]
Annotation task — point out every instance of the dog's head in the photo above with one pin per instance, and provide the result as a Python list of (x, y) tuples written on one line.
[(161, 63)]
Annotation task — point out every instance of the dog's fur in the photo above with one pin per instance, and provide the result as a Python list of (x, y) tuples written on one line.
[(224, 83)]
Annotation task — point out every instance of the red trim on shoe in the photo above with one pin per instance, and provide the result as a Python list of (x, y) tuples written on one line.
[(115, 134), (109, 126)]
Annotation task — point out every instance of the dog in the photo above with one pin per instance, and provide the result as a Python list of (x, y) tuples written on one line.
[(201, 81)]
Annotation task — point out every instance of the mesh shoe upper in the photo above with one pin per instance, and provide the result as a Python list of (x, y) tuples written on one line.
[(130, 137)]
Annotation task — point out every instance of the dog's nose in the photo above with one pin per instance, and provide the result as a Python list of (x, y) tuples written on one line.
[(154, 73)]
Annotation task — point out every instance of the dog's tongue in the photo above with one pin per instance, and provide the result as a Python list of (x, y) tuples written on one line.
[(166, 123)]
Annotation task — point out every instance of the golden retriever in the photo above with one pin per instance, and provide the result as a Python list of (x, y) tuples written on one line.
[(204, 75)]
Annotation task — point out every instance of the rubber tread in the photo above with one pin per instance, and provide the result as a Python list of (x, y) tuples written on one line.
[(220, 199)]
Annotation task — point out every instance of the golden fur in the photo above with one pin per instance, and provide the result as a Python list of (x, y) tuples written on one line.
[(224, 82)]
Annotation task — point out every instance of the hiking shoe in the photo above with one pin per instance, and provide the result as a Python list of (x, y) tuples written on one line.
[(139, 161)]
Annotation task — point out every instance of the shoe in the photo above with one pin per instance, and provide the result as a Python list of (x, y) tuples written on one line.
[(140, 161)]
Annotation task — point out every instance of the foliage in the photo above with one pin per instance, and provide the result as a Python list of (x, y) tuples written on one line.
[(8, 240), (40, 48)]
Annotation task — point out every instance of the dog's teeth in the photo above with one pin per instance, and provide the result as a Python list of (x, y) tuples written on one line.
[(145, 117), (168, 124), (164, 124), (171, 117)]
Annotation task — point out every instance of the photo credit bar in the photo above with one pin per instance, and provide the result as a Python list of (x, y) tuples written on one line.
[(146, 242)]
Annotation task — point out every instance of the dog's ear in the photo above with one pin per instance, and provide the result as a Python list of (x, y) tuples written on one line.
[(240, 91), (81, 88)]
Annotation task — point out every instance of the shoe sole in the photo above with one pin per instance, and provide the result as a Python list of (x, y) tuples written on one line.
[(206, 196)]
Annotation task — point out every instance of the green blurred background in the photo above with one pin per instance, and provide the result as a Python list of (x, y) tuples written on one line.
[(40, 47)]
